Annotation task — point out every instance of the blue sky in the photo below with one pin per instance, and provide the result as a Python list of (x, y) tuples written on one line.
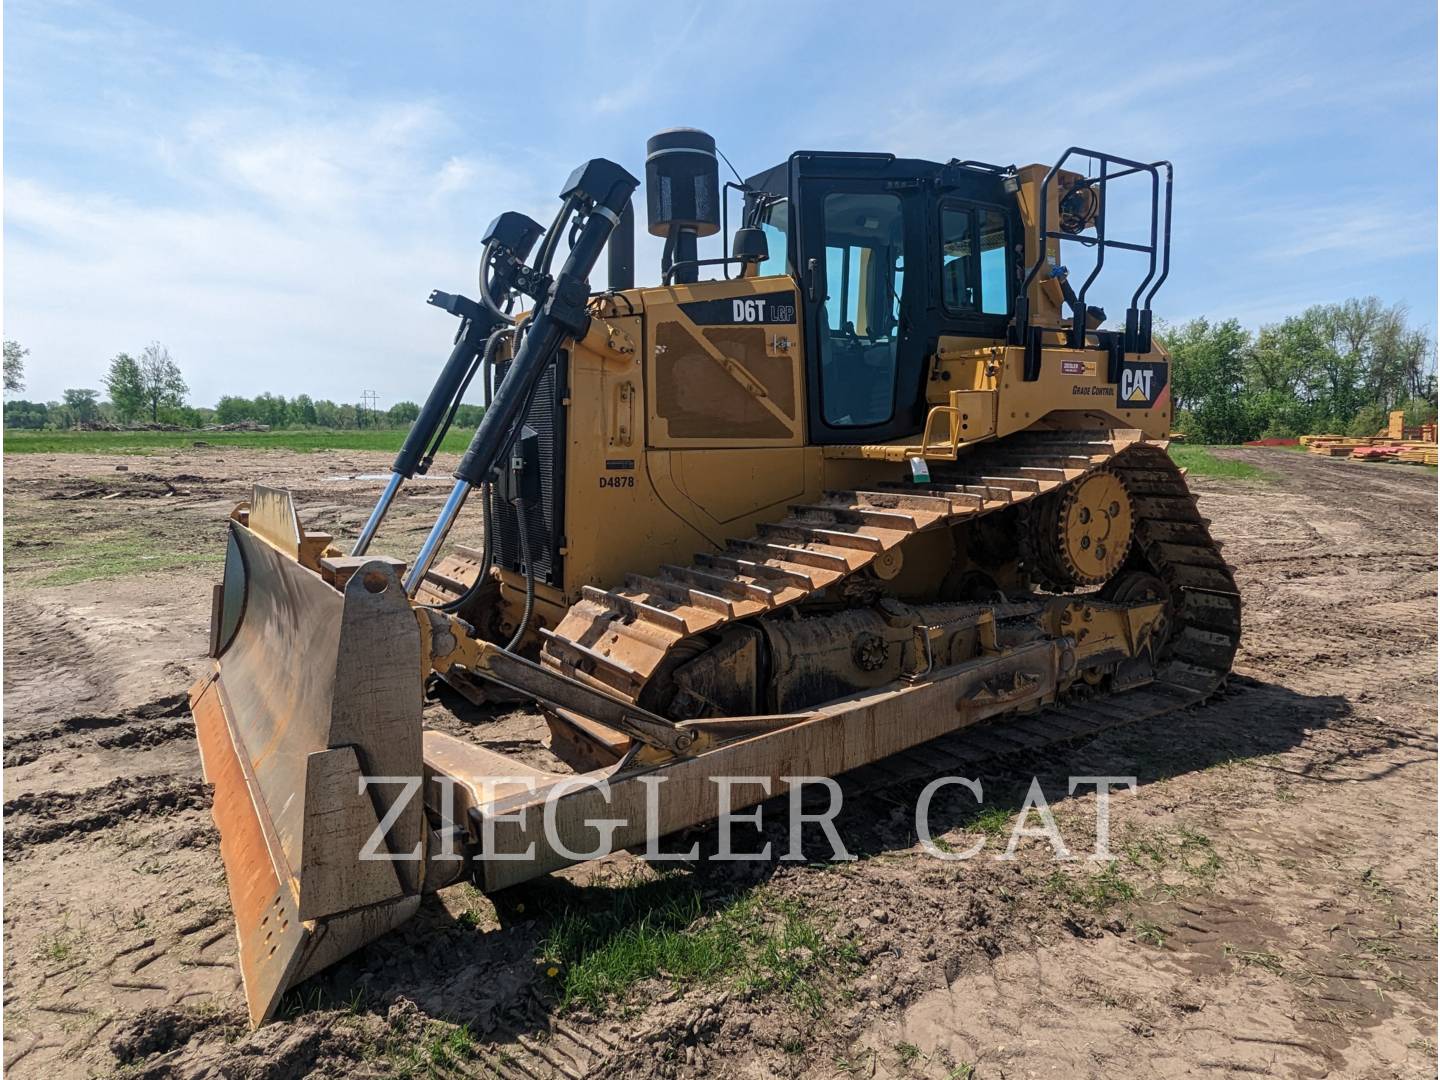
[(272, 189)]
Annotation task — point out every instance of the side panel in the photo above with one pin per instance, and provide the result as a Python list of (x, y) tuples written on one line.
[(671, 451), (1071, 381), (1076, 381), (724, 365)]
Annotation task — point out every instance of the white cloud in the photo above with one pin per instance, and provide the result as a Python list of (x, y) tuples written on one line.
[(285, 244)]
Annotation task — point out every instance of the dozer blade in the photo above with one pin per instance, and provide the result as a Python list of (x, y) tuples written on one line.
[(313, 690)]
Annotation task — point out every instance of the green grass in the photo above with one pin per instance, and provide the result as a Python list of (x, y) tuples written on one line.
[(437, 1050), (60, 946), (1150, 934), (1265, 960), (1095, 891), (1184, 851), (1201, 462), (662, 928), (69, 558), (144, 442), (992, 821)]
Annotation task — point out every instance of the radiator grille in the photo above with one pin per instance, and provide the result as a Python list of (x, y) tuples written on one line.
[(546, 521)]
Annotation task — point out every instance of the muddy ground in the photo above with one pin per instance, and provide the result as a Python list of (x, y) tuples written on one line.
[(1270, 907)]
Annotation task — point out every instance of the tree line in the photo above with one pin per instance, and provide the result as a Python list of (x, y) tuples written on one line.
[(151, 389), (1334, 368)]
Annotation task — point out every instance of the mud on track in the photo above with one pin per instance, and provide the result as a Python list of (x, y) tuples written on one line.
[(1270, 910)]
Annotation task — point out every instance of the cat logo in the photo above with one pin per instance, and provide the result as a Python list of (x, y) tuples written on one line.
[(1141, 384)]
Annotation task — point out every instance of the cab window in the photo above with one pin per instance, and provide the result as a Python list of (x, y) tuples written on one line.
[(974, 276), (775, 222), (864, 276)]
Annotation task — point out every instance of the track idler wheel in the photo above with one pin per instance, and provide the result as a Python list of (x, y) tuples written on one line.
[(1082, 534)]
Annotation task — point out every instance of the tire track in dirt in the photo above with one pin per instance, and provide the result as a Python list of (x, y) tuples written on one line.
[(146, 725), (44, 817)]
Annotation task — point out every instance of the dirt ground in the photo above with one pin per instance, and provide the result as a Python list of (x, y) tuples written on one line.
[(1270, 908)]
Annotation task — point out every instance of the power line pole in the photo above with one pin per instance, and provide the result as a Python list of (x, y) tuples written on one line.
[(368, 404)]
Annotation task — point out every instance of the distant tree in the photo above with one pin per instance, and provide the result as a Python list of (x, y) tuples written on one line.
[(302, 410), (26, 414), (1369, 420), (160, 380), (272, 409), (84, 405), (402, 413), (181, 416), (1208, 364), (15, 354), (468, 416), (1421, 410), (126, 386), (232, 410), (327, 413)]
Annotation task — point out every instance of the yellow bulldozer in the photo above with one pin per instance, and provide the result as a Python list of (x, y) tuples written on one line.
[(883, 474)]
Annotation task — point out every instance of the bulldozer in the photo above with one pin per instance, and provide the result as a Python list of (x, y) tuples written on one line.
[(880, 475)]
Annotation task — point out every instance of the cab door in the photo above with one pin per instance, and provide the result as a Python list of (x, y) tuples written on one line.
[(865, 355)]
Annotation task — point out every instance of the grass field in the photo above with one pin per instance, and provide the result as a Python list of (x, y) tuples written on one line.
[(143, 442), (1201, 462), (1198, 459)]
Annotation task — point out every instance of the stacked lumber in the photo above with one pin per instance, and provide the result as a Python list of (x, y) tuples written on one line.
[(1376, 448), (1375, 453), (1420, 454), (1331, 445)]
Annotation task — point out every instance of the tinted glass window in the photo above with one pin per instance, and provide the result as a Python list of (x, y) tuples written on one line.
[(864, 267), (974, 276), (994, 281), (959, 276), (775, 222)]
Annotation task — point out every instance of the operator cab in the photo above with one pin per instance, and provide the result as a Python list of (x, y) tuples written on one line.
[(891, 254)]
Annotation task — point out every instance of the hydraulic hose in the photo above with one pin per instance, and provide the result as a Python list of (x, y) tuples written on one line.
[(552, 236), (485, 286), (604, 188), (523, 527)]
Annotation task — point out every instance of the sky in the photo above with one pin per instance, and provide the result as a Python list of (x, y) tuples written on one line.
[(272, 190)]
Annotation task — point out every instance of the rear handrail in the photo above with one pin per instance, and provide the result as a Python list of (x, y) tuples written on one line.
[(1137, 336)]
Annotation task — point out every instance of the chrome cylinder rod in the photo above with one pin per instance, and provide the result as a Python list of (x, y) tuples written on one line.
[(431, 547), (362, 543)]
